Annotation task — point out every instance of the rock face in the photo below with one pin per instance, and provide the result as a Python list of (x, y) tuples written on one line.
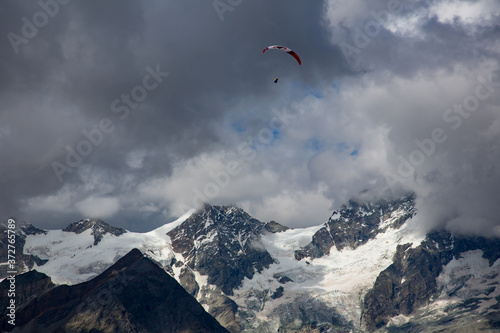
[(133, 295), (188, 281), (356, 223), (274, 227), (221, 307), (317, 311), (412, 280), (27, 286), (99, 228), (222, 243)]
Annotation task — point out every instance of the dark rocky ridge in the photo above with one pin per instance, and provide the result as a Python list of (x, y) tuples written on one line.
[(133, 295), (355, 224), (28, 286), (29, 229), (410, 282), (99, 228), (222, 243), (274, 227)]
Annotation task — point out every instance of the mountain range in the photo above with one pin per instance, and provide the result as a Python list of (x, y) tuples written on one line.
[(367, 269)]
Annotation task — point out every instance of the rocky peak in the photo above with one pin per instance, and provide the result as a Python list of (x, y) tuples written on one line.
[(28, 229), (216, 225), (133, 295), (222, 242), (28, 286), (99, 228), (380, 214), (356, 223), (23, 229), (274, 227)]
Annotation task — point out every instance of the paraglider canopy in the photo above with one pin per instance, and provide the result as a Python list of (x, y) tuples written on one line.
[(284, 49)]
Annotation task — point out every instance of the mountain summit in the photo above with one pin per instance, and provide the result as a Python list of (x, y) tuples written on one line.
[(223, 243), (364, 270), (98, 228)]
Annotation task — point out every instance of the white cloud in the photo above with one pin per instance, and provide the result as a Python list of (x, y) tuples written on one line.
[(59, 202), (99, 207), (469, 12), (293, 209)]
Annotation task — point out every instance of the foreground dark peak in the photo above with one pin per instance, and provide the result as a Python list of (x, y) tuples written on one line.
[(357, 222), (133, 295), (224, 243), (27, 286), (99, 228)]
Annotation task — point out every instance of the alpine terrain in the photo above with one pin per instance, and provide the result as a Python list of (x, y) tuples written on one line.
[(366, 269)]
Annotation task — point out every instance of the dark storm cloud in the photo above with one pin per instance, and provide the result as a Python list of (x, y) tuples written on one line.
[(62, 79), (169, 88), (54, 81)]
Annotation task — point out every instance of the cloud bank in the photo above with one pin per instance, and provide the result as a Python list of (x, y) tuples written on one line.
[(136, 112)]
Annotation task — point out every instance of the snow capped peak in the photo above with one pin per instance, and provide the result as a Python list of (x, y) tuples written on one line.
[(226, 211), (249, 273), (221, 236), (357, 209), (82, 225), (29, 229), (222, 220), (98, 228), (358, 222)]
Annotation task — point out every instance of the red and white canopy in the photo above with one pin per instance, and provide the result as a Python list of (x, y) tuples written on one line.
[(284, 49)]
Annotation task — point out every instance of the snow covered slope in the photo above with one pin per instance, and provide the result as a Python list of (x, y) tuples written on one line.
[(365, 269), (73, 258), (311, 290)]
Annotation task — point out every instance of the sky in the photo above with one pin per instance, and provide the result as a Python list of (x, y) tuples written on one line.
[(135, 112)]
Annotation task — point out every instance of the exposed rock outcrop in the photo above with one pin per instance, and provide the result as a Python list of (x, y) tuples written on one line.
[(356, 223), (99, 228), (222, 243), (411, 281)]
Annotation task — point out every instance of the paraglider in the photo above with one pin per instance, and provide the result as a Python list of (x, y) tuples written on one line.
[(286, 50)]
